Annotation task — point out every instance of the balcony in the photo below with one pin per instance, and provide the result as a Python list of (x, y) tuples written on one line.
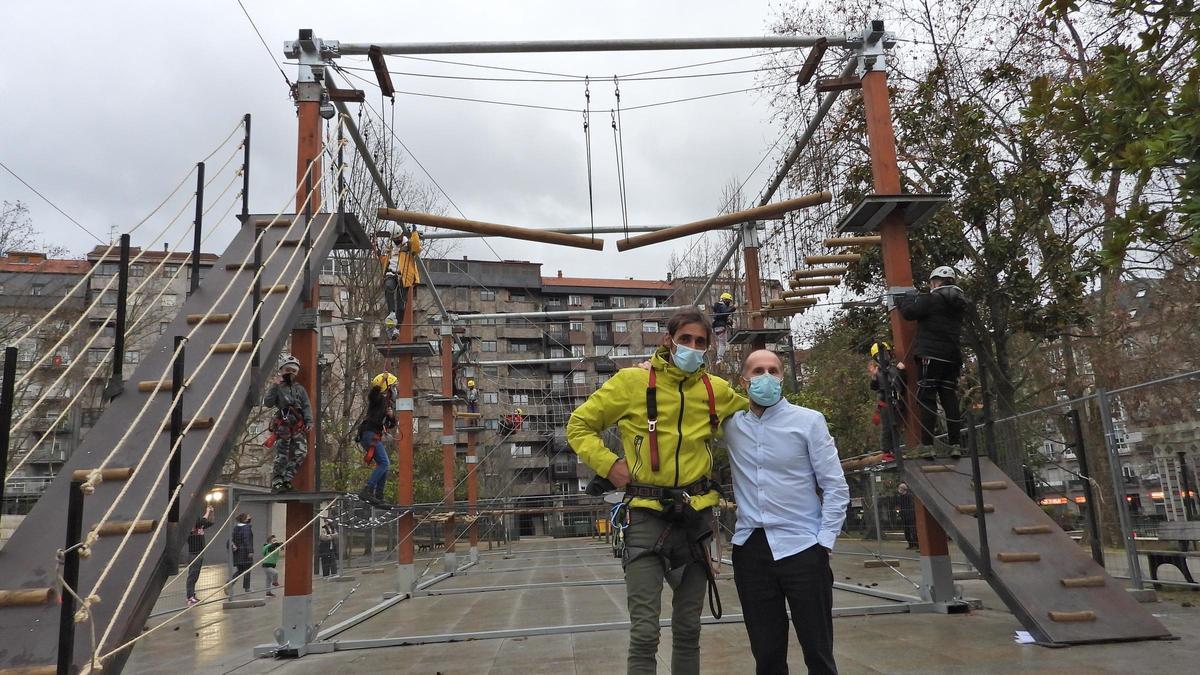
[(535, 461), (47, 455), (602, 338), (564, 470), (562, 366)]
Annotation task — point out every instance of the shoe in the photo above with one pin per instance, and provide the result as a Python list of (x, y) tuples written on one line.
[(923, 452), (192, 600), (390, 321), (395, 335), (270, 594), (955, 452), (889, 457), (275, 584), (278, 487), (287, 486)]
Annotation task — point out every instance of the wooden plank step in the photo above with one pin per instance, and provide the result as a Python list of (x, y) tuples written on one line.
[(1019, 557), (1085, 615), (273, 222), (991, 485), (291, 242), (969, 509), (27, 597), (122, 473), (120, 527), (232, 347), (1032, 529), (277, 288), (151, 386), (886, 562), (194, 319), (1083, 582), (197, 423), (936, 468), (234, 267)]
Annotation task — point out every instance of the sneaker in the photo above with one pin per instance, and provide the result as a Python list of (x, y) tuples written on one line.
[(270, 594), (955, 452), (889, 457), (279, 486), (287, 486), (275, 584), (390, 321), (192, 600), (395, 334)]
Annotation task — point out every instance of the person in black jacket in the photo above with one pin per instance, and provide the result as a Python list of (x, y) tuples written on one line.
[(195, 543), (242, 541), (904, 502), (370, 433), (722, 322), (939, 315)]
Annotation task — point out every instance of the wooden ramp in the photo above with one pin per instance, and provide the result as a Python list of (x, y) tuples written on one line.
[(28, 630), (1047, 580)]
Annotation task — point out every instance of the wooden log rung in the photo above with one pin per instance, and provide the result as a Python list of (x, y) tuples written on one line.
[(30, 670), (1032, 529), (277, 222), (194, 319), (991, 485), (472, 415), (291, 243), (969, 509), (1021, 556), (936, 468), (1083, 582), (819, 272), (835, 258), (197, 423), (27, 597), (122, 473), (152, 386), (868, 240), (237, 266), (120, 527), (232, 347), (277, 288), (1072, 617)]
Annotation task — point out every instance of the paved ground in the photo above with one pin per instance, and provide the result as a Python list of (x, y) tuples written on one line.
[(210, 640)]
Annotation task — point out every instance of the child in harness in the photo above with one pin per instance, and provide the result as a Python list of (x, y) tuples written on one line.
[(289, 427), (380, 400)]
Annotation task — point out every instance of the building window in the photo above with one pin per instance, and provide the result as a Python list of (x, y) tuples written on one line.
[(327, 344), (515, 346), (620, 327), (647, 302), (558, 353), (326, 293), (491, 371), (558, 380), (516, 296), (622, 350), (435, 424), (138, 270), (170, 300), (602, 378), (162, 327), (170, 269), (618, 301), (107, 269), (575, 300), (649, 326), (38, 289), (522, 399), (491, 425), (488, 345), (96, 355), (489, 321), (487, 295), (577, 351), (603, 350), (132, 356), (578, 377), (522, 450), (577, 326), (491, 397)]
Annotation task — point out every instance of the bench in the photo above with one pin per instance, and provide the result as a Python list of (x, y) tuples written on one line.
[(1183, 533)]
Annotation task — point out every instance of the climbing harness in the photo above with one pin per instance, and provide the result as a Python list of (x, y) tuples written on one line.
[(652, 413)]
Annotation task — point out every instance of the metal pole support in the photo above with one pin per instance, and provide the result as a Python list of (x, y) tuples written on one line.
[(173, 460), (6, 408), (66, 614), (197, 228), (117, 384), (1093, 519), (985, 554), (1114, 460)]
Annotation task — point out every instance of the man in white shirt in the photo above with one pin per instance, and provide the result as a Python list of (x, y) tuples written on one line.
[(781, 455)]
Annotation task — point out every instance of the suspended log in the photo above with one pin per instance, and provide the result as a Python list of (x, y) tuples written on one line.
[(836, 258), (814, 281), (491, 229), (113, 528), (27, 597), (781, 303), (757, 213), (122, 473), (819, 272), (194, 319), (816, 290), (867, 240), (1085, 615)]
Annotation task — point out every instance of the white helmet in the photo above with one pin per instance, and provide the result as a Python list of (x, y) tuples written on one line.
[(944, 272), (287, 362)]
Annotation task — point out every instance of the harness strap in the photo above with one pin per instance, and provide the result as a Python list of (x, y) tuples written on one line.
[(652, 419), (713, 420), (640, 491)]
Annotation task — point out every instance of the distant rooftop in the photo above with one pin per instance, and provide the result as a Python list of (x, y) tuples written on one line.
[(35, 262)]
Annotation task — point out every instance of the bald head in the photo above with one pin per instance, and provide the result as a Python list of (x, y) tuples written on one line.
[(762, 361)]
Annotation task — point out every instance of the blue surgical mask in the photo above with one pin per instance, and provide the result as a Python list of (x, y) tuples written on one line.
[(765, 390), (687, 359)]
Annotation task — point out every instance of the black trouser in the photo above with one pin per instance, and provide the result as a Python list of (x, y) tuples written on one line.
[(804, 582), (890, 438), (910, 527), (328, 560), (939, 380), (193, 573), (239, 569)]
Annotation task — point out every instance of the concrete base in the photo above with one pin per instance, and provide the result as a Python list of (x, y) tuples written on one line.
[(938, 579), (297, 624), (1143, 594), (450, 562), (406, 578), (473, 554)]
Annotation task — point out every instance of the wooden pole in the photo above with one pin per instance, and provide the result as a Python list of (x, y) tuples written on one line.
[(448, 441), (490, 229), (406, 526), (791, 302), (725, 220), (753, 282), (836, 258), (473, 487)]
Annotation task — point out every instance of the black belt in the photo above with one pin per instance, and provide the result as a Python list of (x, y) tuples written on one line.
[(658, 492)]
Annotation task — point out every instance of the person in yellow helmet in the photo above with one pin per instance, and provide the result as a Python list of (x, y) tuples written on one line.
[(887, 379), (380, 400), (722, 323), (400, 274), (472, 397), (668, 416)]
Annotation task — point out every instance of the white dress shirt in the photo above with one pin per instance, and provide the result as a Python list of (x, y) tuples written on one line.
[(779, 460)]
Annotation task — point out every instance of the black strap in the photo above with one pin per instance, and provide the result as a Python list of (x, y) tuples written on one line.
[(700, 487)]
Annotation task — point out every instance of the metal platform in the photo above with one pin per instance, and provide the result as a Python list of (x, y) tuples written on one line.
[(393, 349), (445, 399), (869, 212), (314, 497), (746, 336), (1042, 563)]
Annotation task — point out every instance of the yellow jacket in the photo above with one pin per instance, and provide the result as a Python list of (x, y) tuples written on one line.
[(684, 458), (405, 264)]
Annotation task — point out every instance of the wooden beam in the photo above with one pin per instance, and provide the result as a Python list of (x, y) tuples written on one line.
[(825, 84), (819, 272), (193, 319), (816, 290), (866, 240), (791, 302), (491, 229), (835, 258), (382, 76), (115, 527), (346, 95), (811, 62), (815, 281), (717, 222)]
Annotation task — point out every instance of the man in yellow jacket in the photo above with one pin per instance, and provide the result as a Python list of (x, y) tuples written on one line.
[(400, 274), (668, 416)]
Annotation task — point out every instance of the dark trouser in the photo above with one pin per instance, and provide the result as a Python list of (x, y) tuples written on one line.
[(239, 569), (644, 576), (910, 528), (939, 380), (889, 432), (193, 573), (395, 295), (328, 563), (805, 582)]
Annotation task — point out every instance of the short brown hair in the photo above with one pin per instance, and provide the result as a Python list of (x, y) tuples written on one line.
[(685, 316)]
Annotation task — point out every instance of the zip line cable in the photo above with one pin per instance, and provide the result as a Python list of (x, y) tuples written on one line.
[(270, 54), (619, 128), (52, 204), (587, 141), (570, 79)]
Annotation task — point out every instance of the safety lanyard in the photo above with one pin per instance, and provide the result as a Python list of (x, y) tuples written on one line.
[(652, 413)]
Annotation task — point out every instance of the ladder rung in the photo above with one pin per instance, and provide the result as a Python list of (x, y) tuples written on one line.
[(27, 597), (152, 386), (936, 468), (232, 347), (1019, 557), (122, 473), (291, 242), (277, 288), (194, 319), (120, 527), (273, 222), (969, 509), (1083, 582), (1086, 615), (197, 423), (1033, 529), (233, 267), (991, 485)]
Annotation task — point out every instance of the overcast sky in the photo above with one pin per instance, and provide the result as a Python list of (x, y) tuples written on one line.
[(109, 104)]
